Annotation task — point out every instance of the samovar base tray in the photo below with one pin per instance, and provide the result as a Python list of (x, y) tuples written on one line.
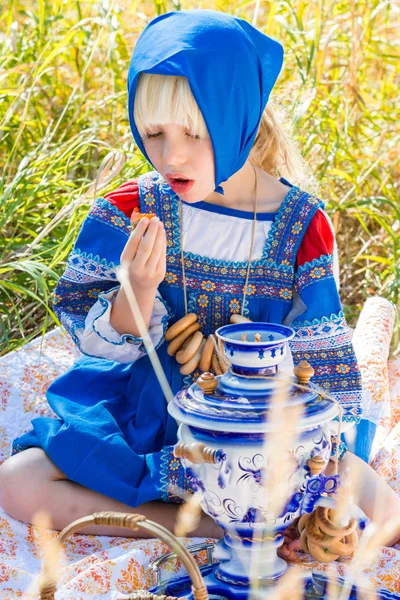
[(315, 588)]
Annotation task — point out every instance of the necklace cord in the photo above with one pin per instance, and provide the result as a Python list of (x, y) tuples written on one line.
[(182, 259), (252, 239)]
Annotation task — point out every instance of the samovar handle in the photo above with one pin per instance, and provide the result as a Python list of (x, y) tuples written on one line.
[(198, 453)]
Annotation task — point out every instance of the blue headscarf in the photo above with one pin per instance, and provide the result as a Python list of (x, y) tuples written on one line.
[(231, 68)]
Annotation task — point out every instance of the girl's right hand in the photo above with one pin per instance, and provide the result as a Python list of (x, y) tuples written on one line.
[(145, 251)]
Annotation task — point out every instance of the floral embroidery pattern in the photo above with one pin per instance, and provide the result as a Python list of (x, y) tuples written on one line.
[(317, 273), (116, 220), (150, 199), (285, 293), (94, 292), (317, 269), (103, 211), (251, 289), (327, 346), (297, 227), (208, 286), (174, 484), (203, 300), (170, 278), (234, 305)]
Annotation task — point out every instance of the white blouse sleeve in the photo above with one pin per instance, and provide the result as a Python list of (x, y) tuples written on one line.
[(98, 338)]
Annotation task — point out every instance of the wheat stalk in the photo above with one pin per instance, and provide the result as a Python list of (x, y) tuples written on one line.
[(276, 488), (51, 562), (188, 516)]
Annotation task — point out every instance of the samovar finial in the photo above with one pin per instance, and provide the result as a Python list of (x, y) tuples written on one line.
[(303, 371), (207, 382)]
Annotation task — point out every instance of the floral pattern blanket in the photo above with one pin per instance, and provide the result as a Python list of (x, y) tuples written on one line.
[(113, 567)]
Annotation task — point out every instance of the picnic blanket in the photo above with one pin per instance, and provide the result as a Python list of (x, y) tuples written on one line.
[(113, 567)]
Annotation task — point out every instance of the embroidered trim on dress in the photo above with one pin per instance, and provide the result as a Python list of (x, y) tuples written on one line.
[(102, 210), (310, 272), (173, 480), (84, 267)]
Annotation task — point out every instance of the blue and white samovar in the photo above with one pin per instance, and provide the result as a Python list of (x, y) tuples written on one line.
[(224, 447)]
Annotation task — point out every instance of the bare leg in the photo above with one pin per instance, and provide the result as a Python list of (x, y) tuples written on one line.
[(371, 493), (30, 482)]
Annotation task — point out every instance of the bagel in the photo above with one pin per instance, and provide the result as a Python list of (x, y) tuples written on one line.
[(189, 348), (304, 542), (206, 355), (193, 363), (315, 534), (223, 361), (301, 523), (185, 344), (322, 517), (180, 326), (320, 553), (344, 546), (177, 342), (222, 364), (215, 365)]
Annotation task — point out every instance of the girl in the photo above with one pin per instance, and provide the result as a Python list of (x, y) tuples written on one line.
[(228, 237)]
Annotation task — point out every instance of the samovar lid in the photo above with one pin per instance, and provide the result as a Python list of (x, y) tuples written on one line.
[(221, 412), (243, 398)]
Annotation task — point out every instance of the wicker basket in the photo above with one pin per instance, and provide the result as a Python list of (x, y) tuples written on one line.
[(48, 587)]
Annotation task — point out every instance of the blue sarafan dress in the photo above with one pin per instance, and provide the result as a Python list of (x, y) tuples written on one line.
[(113, 433)]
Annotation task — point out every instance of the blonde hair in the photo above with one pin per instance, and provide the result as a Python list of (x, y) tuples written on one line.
[(162, 99)]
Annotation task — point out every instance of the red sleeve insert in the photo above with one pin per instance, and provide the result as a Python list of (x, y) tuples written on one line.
[(125, 197), (318, 240)]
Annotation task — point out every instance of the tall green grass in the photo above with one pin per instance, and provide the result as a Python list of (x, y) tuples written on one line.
[(63, 69)]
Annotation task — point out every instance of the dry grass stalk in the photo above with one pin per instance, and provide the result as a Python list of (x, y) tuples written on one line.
[(332, 586), (337, 591), (290, 586), (144, 332), (344, 498), (278, 446), (105, 174), (51, 550), (278, 485), (365, 591), (188, 516), (366, 552), (371, 539)]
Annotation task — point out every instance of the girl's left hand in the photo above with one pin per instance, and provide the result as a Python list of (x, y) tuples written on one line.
[(291, 543)]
